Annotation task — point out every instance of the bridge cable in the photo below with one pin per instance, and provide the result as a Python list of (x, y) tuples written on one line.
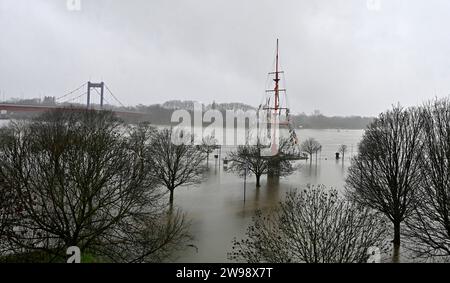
[(72, 99), (70, 92), (110, 92), (107, 102)]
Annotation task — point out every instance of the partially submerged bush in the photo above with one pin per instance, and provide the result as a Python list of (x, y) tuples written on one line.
[(315, 225)]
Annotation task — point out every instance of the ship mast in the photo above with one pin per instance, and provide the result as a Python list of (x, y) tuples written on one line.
[(274, 104), (277, 80)]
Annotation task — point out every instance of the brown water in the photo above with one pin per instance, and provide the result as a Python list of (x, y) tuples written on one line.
[(217, 209)]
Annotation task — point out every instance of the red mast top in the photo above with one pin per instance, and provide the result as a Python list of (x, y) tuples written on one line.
[(277, 79), (274, 104)]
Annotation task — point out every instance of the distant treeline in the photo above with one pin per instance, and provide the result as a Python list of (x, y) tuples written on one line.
[(160, 114), (335, 122)]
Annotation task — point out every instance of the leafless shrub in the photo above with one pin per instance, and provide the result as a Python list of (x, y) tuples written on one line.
[(314, 225)]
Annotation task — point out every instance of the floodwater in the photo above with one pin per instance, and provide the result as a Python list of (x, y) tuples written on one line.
[(217, 209)]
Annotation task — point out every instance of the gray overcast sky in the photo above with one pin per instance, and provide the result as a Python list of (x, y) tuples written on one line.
[(343, 57)]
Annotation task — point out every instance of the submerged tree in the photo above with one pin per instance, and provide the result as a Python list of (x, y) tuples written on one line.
[(248, 159), (175, 163), (209, 144), (79, 180), (314, 225), (343, 150), (429, 226), (386, 172), (310, 146)]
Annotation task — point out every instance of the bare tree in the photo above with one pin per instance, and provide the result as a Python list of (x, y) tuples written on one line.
[(175, 164), (209, 144), (319, 149), (79, 180), (314, 225), (429, 226), (386, 172), (247, 159), (343, 150), (310, 146), (8, 203)]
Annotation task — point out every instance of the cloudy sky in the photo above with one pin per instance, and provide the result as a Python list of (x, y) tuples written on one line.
[(344, 57)]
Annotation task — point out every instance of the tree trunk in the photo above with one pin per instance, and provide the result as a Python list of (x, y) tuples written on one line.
[(258, 177), (207, 159), (397, 233), (396, 242), (171, 196)]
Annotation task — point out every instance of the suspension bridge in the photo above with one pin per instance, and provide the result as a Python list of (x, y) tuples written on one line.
[(80, 98)]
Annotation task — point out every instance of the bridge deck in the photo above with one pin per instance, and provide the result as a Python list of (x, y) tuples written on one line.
[(43, 108)]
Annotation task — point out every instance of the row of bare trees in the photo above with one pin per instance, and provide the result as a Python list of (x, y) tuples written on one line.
[(86, 179), (403, 170)]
